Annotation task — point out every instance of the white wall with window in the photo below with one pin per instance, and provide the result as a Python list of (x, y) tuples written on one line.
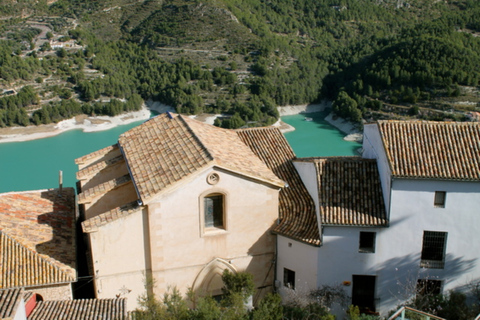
[(424, 242), (298, 260), (433, 236)]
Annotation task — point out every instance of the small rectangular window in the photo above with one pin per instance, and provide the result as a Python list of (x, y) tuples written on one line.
[(367, 242), (433, 249), (439, 201), (213, 211), (289, 278)]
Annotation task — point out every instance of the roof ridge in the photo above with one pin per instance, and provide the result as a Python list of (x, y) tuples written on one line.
[(11, 265), (209, 152)]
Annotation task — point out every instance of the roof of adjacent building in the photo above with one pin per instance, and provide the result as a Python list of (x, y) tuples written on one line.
[(85, 309), (298, 219), (432, 150), (37, 238), (92, 224), (349, 192), (9, 302), (169, 147)]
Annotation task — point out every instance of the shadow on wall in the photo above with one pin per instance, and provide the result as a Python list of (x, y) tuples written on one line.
[(262, 266), (402, 273)]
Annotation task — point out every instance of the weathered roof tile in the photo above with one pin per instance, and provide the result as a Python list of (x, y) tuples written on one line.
[(82, 309), (37, 238), (167, 148), (432, 150), (350, 192), (298, 219), (9, 302)]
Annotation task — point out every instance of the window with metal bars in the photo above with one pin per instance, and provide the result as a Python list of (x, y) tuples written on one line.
[(433, 249)]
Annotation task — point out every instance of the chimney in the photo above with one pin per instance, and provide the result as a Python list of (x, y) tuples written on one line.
[(60, 180)]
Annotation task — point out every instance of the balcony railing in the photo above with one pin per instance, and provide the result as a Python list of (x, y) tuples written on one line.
[(405, 313)]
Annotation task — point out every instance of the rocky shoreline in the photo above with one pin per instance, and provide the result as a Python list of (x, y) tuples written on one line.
[(99, 123)]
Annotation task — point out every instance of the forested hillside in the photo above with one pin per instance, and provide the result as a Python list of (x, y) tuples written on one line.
[(373, 59)]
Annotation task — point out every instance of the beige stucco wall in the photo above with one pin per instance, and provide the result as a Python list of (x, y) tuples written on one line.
[(53, 292), (178, 251), (181, 248), (110, 200), (119, 260)]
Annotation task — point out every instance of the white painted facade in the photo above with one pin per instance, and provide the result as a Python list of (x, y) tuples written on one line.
[(398, 247), (20, 313)]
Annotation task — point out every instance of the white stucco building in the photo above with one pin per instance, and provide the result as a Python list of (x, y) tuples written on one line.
[(403, 217)]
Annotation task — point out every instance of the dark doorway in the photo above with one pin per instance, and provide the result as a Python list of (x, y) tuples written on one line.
[(363, 293)]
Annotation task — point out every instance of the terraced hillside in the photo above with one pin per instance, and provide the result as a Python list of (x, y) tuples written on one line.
[(373, 59)]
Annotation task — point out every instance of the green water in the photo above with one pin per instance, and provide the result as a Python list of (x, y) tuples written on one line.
[(317, 138), (34, 165)]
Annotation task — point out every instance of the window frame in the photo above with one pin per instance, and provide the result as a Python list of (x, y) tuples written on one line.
[(373, 239), (434, 244), (216, 202), (289, 278), (211, 230), (439, 199)]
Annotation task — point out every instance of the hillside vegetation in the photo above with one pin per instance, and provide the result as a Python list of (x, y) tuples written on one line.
[(374, 59)]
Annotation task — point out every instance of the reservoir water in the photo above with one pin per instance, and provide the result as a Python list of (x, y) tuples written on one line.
[(34, 165)]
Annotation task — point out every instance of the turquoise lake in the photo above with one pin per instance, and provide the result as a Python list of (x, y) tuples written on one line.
[(34, 165)]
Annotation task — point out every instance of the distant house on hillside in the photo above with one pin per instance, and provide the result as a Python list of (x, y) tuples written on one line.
[(402, 219), (37, 241), (8, 92), (54, 44), (181, 201)]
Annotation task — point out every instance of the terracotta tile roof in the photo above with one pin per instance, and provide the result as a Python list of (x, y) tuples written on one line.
[(432, 150), (37, 238), (168, 148), (85, 309), (97, 167), (9, 302), (88, 195), (92, 157), (298, 219), (350, 192), (92, 224), (22, 267)]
